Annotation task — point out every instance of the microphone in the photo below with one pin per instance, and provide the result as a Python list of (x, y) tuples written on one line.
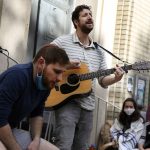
[(97, 45)]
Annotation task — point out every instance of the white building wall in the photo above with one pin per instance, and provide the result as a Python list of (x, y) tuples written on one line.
[(15, 16)]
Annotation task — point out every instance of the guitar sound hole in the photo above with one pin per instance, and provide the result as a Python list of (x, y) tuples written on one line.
[(73, 79)]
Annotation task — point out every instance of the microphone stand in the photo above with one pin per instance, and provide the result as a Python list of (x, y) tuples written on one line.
[(97, 45)]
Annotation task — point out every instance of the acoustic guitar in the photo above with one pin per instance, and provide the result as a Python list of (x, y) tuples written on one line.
[(78, 82)]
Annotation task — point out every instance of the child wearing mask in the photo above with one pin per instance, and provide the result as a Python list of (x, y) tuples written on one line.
[(127, 129)]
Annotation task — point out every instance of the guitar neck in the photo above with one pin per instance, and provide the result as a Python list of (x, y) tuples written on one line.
[(100, 73)]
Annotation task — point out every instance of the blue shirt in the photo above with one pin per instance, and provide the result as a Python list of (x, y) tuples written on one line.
[(19, 97)]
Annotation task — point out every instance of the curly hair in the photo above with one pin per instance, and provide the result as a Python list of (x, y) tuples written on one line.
[(76, 12)]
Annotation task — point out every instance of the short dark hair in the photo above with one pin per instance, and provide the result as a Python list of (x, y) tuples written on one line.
[(76, 12), (52, 54)]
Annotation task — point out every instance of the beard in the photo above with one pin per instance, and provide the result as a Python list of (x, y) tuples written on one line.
[(46, 82), (86, 29)]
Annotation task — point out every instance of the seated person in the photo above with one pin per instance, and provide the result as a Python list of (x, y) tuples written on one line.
[(23, 91), (105, 142), (128, 128), (144, 143)]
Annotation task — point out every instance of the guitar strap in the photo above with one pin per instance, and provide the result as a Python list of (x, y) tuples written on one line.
[(97, 45)]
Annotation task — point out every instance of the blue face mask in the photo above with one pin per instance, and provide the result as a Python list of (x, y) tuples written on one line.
[(39, 83)]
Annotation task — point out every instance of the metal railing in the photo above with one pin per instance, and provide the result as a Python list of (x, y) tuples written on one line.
[(111, 110)]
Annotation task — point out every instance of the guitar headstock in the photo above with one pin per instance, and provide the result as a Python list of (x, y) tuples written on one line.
[(143, 65)]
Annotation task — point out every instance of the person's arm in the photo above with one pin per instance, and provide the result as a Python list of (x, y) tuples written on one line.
[(74, 65), (8, 139), (36, 124), (111, 79), (103, 147), (142, 139), (11, 88), (141, 147)]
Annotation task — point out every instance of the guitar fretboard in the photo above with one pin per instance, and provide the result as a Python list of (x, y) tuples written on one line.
[(100, 73)]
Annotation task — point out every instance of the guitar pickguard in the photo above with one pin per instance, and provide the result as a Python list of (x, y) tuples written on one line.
[(65, 88)]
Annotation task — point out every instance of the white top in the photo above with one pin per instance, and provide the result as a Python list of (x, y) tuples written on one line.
[(127, 140)]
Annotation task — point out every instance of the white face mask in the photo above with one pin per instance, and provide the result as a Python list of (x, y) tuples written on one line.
[(129, 111)]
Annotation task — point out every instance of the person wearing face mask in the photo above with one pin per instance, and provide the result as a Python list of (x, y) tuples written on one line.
[(127, 129), (23, 91)]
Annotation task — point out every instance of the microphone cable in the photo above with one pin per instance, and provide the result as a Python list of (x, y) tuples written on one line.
[(7, 55)]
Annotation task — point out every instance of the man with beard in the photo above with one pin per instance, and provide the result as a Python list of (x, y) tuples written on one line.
[(74, 119), (23, 91)]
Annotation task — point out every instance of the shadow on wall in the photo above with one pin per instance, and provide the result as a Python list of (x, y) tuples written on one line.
[(52, 20), (14, 29), (1, 4)]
